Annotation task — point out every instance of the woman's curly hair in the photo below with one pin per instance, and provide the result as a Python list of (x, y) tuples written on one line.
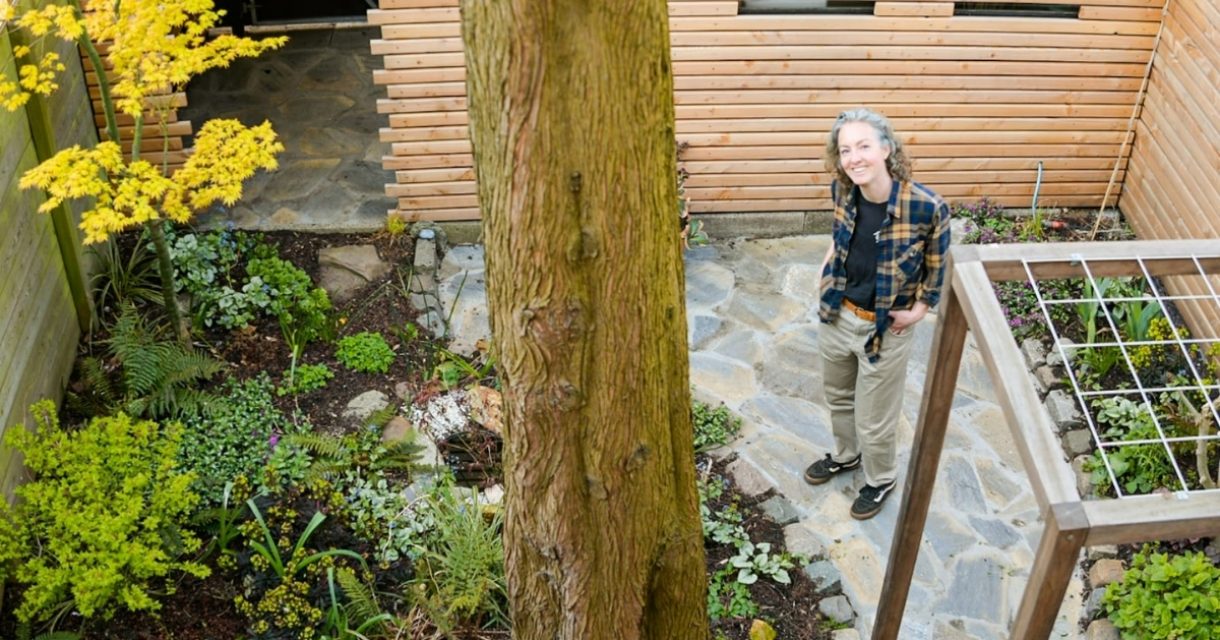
[(898, 165)]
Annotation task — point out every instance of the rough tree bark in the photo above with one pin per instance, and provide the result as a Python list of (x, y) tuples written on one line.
[(571, 117)]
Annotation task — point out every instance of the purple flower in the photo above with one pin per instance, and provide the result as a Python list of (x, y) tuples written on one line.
[(273, 440)]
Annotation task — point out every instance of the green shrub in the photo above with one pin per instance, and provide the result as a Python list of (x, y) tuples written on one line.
[(102, 524), (365, 352), (1166, 597), (306, 378), (300, 307), (713, 427), (235, 439)]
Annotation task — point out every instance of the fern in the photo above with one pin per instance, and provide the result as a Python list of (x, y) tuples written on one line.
[(93, 393), (334, 455), (361, 600), (156, 378)]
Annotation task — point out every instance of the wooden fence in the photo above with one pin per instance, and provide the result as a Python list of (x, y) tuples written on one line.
[(42, 299), (1173, 188), (979, 100)]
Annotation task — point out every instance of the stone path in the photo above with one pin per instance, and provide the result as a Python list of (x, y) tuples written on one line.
[(319, 95), (753, 329)]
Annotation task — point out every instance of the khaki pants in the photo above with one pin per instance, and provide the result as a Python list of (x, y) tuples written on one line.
[(865, 398)]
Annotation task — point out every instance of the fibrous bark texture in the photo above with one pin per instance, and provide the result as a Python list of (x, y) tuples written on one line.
[(571, 118)]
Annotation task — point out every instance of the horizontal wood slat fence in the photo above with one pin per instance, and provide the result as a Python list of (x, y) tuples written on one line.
[(1173, 188), (156, 141), (979, 100)]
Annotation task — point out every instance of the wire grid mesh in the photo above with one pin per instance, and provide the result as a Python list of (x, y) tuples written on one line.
[(1123, 339)]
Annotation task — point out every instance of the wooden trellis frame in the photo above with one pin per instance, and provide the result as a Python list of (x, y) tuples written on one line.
[(1071, 522)]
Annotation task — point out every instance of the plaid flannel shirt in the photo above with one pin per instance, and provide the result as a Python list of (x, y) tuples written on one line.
[(912, 246)]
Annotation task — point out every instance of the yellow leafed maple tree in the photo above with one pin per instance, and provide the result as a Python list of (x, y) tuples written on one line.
[(153, 46)]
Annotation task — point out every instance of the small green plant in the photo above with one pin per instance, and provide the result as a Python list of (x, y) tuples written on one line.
[(361, 617), (365, 352), (1139, 468), (235, 438), (459, 579), (277, 599), (1164, 597), (713, 427), (452, 368), (727, 598), (721, 526), (121, 280), (222, 522), (301, 308), (102, 525), (306, 378), (147, 374), (754, 560)]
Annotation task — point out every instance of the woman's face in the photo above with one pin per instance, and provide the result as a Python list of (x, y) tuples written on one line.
[(862, 155)]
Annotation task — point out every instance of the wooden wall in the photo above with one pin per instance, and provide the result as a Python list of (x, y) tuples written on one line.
[(979, 100), (38, 323), (1173, 188), (156, 139)]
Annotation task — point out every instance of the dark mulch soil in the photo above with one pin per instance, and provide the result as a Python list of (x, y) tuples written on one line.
[(204, 609), (790, 609)]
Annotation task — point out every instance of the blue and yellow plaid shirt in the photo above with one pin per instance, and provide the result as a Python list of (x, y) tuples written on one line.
[(911, 250)]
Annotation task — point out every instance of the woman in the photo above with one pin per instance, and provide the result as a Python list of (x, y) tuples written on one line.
[(881, 275)]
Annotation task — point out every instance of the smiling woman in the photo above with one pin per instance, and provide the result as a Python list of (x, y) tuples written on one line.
[(880, 276)]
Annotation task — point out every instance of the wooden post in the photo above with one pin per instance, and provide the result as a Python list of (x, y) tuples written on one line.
[(42, 132), (1062, 539), (938, 390)]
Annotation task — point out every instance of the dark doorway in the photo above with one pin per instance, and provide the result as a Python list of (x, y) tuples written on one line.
[(242, 13), (263, 11)]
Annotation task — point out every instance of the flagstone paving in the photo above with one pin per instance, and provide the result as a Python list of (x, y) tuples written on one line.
[(753, 329)]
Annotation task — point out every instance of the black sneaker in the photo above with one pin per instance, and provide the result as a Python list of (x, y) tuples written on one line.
[(869, 502), (827, 468)]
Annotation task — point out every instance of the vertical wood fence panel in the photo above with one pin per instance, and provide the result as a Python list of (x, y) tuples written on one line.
[(979, 99), (1173, 188), (38, 321)]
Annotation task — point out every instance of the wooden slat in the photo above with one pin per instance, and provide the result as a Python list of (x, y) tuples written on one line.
[(1060, 58), (920, 165), (417, 45), (823, 124), (785, 38), (1140, 518), (966, 81), (415, 4), (930, 9), (703, 8), (900, 110), (874, 23), (1120, 13), (413, 16), (880, 97)]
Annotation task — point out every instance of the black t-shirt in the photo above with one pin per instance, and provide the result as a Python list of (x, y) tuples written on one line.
[(862, 254)]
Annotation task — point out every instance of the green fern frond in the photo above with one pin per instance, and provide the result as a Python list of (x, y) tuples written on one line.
[(360, 597), (401, 455), (96, 395), (380, 417), (322, 445)]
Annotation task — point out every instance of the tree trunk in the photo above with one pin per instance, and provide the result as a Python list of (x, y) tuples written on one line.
[(571, 117)]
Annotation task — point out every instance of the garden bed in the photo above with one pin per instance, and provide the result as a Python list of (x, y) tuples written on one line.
[(283, 434), (1132, 394)]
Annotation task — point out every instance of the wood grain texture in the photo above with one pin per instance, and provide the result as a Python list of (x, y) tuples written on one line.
[(757, 93)]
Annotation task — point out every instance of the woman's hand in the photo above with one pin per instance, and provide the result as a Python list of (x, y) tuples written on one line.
[(901, 320)]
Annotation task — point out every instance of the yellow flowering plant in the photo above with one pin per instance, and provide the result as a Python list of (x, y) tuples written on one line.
[(152, 47)]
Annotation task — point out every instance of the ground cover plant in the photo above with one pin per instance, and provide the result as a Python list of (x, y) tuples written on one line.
[(305, 523)]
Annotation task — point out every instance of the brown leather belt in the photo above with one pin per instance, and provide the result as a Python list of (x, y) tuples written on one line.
[(860, 312)]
